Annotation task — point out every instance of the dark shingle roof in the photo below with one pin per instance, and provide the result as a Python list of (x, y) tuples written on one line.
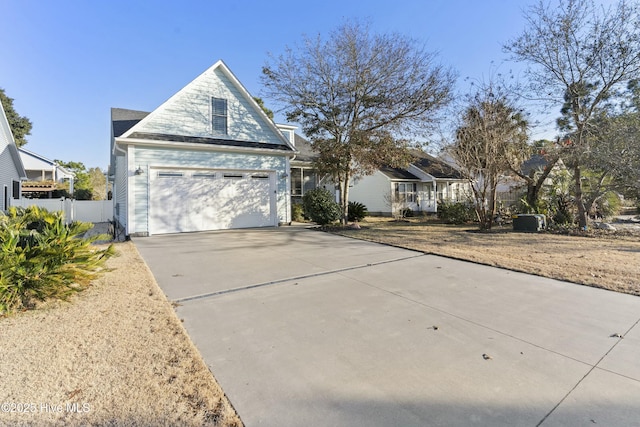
[(122, 119), (209, 141), (428, 164), (397, 173), (305, 152), (435, 167)]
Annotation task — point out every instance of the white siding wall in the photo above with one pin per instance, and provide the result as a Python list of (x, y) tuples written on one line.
[(189, 112), (146, 157), (8, 171), (371, 190), (120, 190)]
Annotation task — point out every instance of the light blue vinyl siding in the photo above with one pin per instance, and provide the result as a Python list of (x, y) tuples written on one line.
[(147, 157), (188, 113), (120, 190)]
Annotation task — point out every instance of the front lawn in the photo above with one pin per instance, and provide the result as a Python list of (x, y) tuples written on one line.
[(609, 261)]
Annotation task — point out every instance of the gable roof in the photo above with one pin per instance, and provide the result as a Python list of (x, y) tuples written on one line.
[(7, 136), (435, 167), (133, 123), (34, 161)]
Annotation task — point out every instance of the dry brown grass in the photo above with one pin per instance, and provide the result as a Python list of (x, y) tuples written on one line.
[(117, 350), (609, 261)]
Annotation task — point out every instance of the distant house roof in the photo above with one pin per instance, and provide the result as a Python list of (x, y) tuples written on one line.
[(435, 167), (36, 162), (122, 119), (534, 163), (423, 161)]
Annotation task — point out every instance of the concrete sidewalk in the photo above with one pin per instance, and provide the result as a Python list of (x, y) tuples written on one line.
[(306, 328)]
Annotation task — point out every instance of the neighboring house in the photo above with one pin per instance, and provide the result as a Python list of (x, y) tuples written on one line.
[(419, 187), (43, 175), (11, 168), (207, 159), (512, 188)]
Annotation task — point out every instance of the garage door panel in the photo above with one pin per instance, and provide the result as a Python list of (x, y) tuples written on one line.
[(196, 201)]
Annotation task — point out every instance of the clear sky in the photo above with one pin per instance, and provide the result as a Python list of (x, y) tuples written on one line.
[(66, 63)]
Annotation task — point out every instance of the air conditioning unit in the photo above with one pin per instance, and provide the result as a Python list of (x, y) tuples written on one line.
[(529, 222)]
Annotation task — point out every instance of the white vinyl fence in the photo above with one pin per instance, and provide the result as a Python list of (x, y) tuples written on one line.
[(74, 210)]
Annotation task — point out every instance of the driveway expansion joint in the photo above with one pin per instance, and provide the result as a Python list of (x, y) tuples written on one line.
[(291, 279)]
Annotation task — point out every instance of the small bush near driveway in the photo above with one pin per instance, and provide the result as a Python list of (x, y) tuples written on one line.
[(320, 206), (42, 258)]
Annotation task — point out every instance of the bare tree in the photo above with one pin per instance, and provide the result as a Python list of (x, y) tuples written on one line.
[(491, 138), (579, 57), (354, 94)]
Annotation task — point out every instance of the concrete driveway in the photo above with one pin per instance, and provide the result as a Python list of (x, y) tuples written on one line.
[(306, 328)]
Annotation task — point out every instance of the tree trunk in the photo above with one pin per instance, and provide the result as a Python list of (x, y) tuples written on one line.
[(533, 192), (582, 211), (344, 198)]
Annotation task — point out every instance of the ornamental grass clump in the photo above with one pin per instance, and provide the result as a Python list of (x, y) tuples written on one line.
[(42, 258)]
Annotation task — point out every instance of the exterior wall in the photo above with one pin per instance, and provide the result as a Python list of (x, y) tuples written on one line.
[(8, 174), (8, 171), (147, 157), (370, 190), (188, 113), (120, 190)]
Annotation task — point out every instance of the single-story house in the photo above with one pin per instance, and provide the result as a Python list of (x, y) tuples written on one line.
[(426, 182), (11, 168), (419, 187), (207, 159), (43, 175)]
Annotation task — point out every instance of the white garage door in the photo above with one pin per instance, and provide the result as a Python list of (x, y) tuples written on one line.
[(196, 200)]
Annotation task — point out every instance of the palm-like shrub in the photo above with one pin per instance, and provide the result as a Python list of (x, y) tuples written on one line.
[(42, 258), (357, 211)]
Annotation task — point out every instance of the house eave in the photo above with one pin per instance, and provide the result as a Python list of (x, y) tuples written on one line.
[(201, 147)]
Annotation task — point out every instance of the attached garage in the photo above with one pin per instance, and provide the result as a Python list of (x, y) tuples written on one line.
[(184, 200), (207, 159)]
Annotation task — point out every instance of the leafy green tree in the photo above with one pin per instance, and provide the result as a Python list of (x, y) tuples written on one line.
[(354, 93), (580, 56), (20, 125), (82, 186)]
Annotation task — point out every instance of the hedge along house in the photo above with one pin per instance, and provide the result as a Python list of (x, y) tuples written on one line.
[(207, 159)]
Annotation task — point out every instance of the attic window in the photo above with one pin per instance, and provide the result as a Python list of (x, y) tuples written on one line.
[(219, 115)]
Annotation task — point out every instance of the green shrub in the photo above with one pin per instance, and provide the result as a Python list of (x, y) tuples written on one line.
[(455, 212), (320, 206), (357, 211), (297, 212), (43, 258)]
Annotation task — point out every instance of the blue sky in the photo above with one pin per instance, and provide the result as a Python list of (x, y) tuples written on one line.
[(66, 63)]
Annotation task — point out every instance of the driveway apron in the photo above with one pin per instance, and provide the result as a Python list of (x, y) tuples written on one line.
[(302, 327)]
